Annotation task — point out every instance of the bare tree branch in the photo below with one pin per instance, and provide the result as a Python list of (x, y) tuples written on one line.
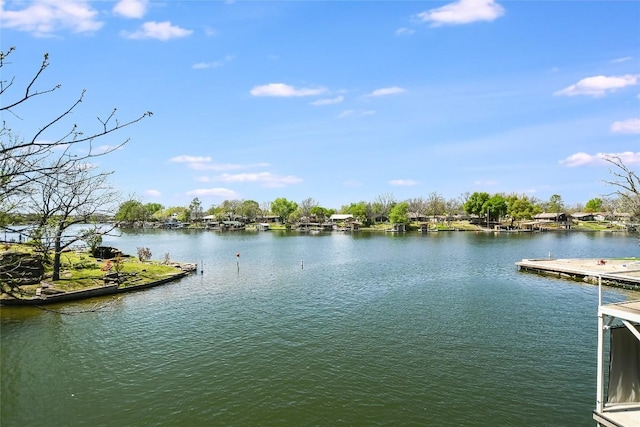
[(22, 160), (627, 183), (27, 93)]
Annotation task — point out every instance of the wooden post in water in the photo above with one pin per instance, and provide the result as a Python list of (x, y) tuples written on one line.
[(238, 261)]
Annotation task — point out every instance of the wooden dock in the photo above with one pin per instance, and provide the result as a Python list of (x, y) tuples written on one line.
[(613, 272)]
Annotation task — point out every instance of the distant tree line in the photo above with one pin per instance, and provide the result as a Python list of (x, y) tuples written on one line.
[(385, 208)]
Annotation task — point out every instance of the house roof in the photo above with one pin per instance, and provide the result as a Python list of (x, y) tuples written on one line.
[(549, 215), (340, 217), (582, 214)]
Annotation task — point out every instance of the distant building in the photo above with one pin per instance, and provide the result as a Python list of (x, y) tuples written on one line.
[(583, 216), (551, 217), (341, 218)]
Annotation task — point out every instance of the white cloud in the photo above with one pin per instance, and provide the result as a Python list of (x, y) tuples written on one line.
[(404, 31), (215, 64), (203, 163), (580, 159), (284, 90), (462, 12), (352, 183), (265, 178), (627, 157), (599, 85), (190, 159), (387, 91), (328, 101), (583, 159), (355, 113), (153, 193), (224, 193), (488, 182), (624, 59), (131, 8), (157, 30), (43, 18), (403, 182), (626, 126), (224, 166), (203, 179)]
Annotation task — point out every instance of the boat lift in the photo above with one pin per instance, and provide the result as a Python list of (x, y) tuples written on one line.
[(622, 405)]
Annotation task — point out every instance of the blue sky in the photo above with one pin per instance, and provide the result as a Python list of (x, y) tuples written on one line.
[(340, 101)]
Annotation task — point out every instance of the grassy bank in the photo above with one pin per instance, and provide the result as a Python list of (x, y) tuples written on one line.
[(81, 271)]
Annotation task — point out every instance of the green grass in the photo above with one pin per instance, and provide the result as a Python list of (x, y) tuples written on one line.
[(596, 226), (80, 270)]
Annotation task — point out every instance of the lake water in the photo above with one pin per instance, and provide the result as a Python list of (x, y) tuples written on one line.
[(376, 329)]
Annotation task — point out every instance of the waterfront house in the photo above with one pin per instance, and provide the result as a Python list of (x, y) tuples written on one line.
[(173, 222), (232, 225), (559, 217), (380, 219), (398, 227), (208, 219), (341, 218), (583, 216), (316, 226), (620, 217), (425, 227), (268, 218), (417, 217), (352, 226)]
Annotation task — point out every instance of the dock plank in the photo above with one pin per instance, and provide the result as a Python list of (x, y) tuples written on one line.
[(614, 272)]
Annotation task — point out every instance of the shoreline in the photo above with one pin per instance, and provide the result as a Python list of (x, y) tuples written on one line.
[(97, 291)]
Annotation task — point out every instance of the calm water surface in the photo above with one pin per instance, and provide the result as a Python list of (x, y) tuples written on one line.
[(374, 330)]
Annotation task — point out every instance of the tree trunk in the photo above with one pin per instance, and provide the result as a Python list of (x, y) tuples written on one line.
[(56, 255)]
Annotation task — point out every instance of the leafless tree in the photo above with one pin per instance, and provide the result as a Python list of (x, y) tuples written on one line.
[(435, 204), (453, 206), (464, 197), (627, 184), (265, 208), (71, 195), (417, 206), (22, 160), (306, 205), (46, 174), (383, 203), (608, 205)]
